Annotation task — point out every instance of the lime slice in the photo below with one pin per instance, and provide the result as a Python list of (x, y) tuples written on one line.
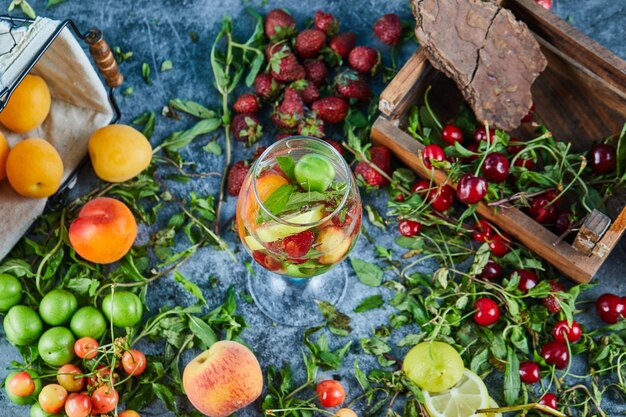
[(433, 366), (462, 400), (271, 231)]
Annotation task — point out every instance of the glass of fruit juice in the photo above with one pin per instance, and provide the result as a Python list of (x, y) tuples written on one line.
[(299, 215)]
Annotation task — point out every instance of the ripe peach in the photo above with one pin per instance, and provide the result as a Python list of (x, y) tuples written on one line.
[(248, 206), (223, 379), (333, 243), (34, 168), (28, 106), (119, 153), (104, 230), (4, 153)]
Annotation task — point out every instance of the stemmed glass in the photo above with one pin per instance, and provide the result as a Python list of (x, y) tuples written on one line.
[(299, 215)]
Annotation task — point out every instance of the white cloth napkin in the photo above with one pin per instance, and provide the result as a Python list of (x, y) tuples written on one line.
[(79, 107)]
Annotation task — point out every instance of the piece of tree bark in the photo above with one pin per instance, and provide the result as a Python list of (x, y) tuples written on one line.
[(493, 58)]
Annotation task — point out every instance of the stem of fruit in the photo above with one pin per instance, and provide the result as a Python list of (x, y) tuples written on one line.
[(516, 196), (273, 411), (49, 255), (526, 407)]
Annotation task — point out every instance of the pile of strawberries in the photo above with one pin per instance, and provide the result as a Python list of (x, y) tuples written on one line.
[(311, 79)]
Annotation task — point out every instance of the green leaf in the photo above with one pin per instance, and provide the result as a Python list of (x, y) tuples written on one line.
[(202, 331), (441, 276), (480, 260), (145, 73), (512, 382), (255, 68), (54, 3), (287, 165), (213, 147), (338, 322), (277, 201), (166, 65), (164, 394), (191, 287), (368, 273), (128, 91), (370, 303), (374, 217), (178, 140), (360, 376), (193, 108), (410, 242)]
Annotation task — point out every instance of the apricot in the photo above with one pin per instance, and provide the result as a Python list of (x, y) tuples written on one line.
[(28, 106), (333, 243), (104, 230), (223, 379), (4, 153), (34, 168), (119, 153)]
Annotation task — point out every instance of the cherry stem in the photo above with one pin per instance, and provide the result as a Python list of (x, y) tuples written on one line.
[(533, 406), (516, 196)]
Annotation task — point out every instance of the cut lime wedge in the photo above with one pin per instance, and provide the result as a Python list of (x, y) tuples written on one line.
[(462, 400), (253, 244), (272, 231)]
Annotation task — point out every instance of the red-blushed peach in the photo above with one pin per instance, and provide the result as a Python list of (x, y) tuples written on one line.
[(223, 379), (104, 230)]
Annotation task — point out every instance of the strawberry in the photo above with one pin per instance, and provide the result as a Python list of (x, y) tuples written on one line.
[(326, 22), (266, 86), (236, 175), (316, 72), (289, 112), (364, 59), (283, 135), (381, 157), (247, 103), (343, 43), (351, 84), (246, 128), (298, 245), (388, 29), (331, 109), (309, 42), (269, 262), (307, 90), (273, 48), (284, 66), (311, 125), (335, 144), (551, 302), (258, 152), (279, 25)]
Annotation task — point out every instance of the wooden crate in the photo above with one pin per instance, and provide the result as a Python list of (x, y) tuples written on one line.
[(580, 96)]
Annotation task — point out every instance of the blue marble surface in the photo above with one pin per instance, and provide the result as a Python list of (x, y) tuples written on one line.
[(157, 30)]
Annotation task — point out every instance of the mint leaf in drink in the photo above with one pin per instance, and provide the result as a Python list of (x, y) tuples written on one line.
[(287, 165), (276, 202)]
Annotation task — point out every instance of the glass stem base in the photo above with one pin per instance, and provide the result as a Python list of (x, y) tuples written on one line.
[(294, 301)]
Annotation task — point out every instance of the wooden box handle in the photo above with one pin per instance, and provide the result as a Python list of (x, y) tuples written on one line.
[(103, 58)]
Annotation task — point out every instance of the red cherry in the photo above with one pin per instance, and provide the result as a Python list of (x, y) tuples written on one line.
[(420, 186), (480, 134), (542, 209), (496, 167), (529, 116), (432, 153), (491, 271), (482, 231), (563, 330), (409, 227), (487, 312), (549, 400), (603, 158), (399, 197), (555, 353), (527, 280), (451, 134), (529, 372), (471, 189), (441, 199), (499, 245), (524, 163), (551, 302), (563, 222), (610, 308)]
